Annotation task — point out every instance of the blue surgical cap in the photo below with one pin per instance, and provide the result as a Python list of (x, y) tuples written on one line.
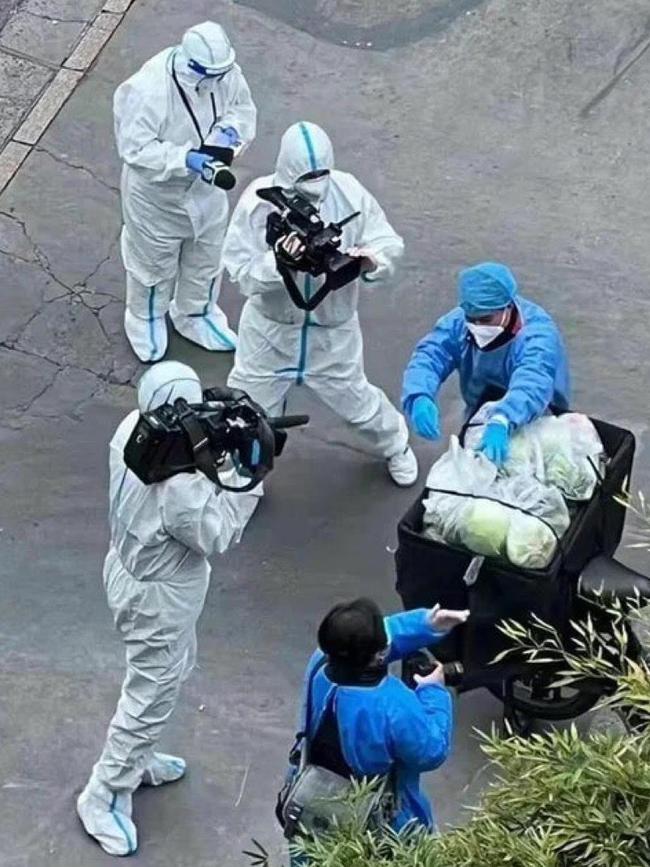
[(486, 287)]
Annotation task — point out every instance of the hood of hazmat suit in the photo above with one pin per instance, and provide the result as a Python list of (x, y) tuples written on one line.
[(205, 56), (165, 382)]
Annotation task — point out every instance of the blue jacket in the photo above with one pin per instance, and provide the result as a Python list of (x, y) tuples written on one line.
[(390, 724), (532, 367)]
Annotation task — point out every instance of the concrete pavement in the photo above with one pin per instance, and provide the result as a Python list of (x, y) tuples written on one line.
[(477, 142)]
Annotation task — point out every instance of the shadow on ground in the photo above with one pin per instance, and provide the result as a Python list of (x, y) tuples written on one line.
[(366, 23)]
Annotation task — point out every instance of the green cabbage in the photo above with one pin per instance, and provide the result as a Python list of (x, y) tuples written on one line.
[(531, 543), (575, 478), (486, 528)]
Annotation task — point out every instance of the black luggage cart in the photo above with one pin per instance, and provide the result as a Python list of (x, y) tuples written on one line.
[(430, 572)]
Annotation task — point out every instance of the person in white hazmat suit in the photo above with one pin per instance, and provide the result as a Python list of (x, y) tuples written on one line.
[(184, 101), (156, 578), (280, 345)]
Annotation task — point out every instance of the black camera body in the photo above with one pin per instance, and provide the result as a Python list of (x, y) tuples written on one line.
[(424, 662), (184, 438), (322, 254)]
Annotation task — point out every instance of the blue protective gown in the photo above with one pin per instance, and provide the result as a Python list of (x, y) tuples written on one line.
[(532, 367), (389, 723)]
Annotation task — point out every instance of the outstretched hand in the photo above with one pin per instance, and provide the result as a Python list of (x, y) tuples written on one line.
[(444, 619)]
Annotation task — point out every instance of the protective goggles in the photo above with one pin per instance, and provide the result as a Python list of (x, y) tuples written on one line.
[(208, 72), (312, 176)]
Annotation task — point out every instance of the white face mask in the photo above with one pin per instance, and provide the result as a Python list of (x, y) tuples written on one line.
[(484, 334), (314, 189)]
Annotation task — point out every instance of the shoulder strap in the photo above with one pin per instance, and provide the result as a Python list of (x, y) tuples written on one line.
[(320, 664), (188, 106)]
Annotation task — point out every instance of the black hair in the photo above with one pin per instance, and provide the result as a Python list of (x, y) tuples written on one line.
[(352, 633)]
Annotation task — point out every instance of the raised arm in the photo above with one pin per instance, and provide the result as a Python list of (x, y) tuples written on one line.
[(434, 358), (205, 519), (411, 631), (246, 255), (532, 382)]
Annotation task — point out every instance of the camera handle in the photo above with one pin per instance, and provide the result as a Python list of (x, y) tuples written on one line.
[(200, 447), (204, 459), (265, 441)]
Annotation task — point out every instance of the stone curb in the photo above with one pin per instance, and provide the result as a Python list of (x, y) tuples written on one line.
[(57, 92)]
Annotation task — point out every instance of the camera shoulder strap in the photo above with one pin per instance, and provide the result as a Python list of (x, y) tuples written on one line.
[(190, 110), (200, 447), (302, 737), (295, 294)]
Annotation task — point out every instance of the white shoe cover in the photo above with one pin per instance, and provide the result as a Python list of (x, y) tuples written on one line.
[(209, 330), (106, 816), (148, 337), (403, 468), (163, 769)]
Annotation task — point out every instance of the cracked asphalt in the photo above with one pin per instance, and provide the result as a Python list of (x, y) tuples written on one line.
[(515, 132)]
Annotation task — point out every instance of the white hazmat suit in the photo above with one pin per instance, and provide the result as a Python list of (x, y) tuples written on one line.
[(280, 345), (174, 222), (156, 578)]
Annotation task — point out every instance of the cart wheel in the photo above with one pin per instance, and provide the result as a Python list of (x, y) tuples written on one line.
[(534, 698)]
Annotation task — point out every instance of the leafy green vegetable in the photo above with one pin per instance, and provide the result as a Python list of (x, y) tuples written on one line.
[(531, 543), (486, 528)]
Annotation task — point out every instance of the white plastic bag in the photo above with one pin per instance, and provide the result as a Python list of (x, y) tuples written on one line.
[(456, 474), (533, 498), (564, 451), (531, 543), (470, 506), (573, 454)]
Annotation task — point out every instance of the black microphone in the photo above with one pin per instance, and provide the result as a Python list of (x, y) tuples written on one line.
[(287, 421)]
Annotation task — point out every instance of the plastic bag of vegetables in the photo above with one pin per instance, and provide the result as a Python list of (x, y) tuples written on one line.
[(457, 476), (573, 454), (564, 451), (531, 543), (469, 505)]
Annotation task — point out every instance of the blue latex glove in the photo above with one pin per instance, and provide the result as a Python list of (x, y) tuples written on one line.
[(495, 443), (195, 161), (228, 137), (425, 417)]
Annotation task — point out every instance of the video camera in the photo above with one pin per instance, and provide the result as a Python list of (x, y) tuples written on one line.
[(322, 242), (217, 171), (186, 437)]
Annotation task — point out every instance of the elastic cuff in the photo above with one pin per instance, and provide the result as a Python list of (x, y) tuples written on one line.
[(501, 419)]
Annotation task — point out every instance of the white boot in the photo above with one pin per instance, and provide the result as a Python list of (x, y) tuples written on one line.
[(144, 317), (106, 816), (403, 468), (148, 337), (163, 769), (209, 329)]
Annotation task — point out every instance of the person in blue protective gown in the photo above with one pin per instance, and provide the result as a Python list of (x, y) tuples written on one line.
[(383, 725), (495, 339)]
